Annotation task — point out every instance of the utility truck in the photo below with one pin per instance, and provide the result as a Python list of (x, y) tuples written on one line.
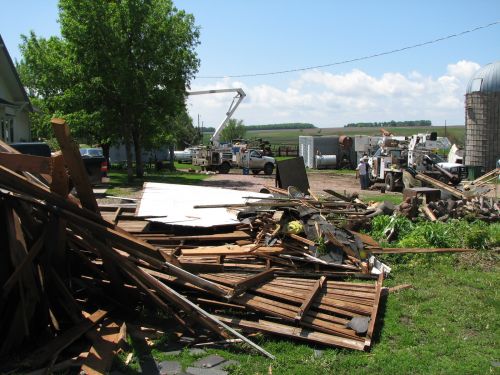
[(222, 157), (418, 152)]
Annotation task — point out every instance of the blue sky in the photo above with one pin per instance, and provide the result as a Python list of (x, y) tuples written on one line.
[(240, 37)]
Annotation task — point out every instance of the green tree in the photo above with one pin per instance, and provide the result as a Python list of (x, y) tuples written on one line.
[(124, 67), (235, 129)]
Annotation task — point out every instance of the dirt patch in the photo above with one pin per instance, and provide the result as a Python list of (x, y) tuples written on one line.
[(318, 181)]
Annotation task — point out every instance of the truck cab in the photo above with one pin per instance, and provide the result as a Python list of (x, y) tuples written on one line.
[(256, 162)]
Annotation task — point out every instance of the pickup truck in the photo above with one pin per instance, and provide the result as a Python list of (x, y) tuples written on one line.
[(95, 164), (255, 161)]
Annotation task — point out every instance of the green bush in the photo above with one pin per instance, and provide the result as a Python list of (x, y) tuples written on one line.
[(451, 234)]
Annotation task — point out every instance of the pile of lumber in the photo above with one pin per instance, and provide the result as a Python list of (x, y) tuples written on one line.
[(72, 274), (480, 208)]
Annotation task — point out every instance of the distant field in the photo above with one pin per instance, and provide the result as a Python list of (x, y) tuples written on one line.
[(455, 133)]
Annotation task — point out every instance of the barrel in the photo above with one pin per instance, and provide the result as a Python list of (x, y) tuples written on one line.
[(326, 161)]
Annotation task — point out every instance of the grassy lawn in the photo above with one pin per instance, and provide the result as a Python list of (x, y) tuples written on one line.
[(447, 324), (120, 186), (394, 198)]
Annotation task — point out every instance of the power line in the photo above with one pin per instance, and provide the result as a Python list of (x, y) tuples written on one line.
[(357, 58)]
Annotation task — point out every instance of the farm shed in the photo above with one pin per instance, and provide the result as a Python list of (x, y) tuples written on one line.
[(337, 151)]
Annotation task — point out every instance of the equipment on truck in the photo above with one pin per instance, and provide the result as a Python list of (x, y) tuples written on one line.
[(222, 158), (418, 152), (216, 157)]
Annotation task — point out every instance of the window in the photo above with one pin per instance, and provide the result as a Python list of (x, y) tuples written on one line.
[(476, 85)]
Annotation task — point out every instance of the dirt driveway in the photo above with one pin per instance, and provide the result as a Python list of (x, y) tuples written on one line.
[(317, 180)]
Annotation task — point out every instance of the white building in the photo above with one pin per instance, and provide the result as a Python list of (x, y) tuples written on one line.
[(15, 105)]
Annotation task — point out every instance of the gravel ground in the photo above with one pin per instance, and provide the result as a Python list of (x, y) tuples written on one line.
[(317, 180)]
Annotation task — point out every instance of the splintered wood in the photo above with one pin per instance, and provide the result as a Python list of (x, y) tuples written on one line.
[(70, 269)]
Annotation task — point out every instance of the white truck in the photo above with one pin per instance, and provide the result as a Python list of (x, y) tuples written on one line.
[(418, 152), (222, 158)]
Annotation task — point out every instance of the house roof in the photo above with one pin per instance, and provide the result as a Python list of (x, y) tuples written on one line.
[(8, 68)]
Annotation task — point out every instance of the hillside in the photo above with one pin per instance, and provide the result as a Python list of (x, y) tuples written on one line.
[(455, 133)]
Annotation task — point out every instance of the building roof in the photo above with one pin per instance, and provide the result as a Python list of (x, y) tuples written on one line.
[(8, 68), (486, 79)]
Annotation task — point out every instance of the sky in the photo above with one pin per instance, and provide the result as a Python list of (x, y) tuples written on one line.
[(263, 36)]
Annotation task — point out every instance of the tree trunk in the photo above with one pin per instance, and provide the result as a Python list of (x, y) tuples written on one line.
[(128, 151), (139, 169), (171, 158)]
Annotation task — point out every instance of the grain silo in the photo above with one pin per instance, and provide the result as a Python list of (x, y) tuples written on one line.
[(482, 117)]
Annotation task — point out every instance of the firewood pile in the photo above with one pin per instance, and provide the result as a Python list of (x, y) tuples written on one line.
[(74, 272)]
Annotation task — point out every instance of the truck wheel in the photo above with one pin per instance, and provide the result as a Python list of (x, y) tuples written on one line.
[(255, 171), (268, 169), (389, 182), (224, 168)]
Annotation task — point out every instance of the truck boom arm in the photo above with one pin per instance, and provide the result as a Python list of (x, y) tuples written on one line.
[(240, 94)]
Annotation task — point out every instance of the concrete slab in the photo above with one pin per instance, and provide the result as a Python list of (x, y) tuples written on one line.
[(197, 351), (204, 371), (170, 368), (209, 361), (225, 365)]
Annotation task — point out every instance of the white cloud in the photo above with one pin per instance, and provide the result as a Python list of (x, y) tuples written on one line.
[(328, 99)]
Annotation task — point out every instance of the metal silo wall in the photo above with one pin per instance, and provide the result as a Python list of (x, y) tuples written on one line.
[(482, 129)]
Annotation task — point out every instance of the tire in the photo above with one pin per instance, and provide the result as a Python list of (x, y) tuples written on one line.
[(255, 171), (268, 168), (389, 182), (224, 168)]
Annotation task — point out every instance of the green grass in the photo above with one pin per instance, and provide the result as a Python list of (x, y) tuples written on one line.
[(120, 186), (447, 324), (394, 198)]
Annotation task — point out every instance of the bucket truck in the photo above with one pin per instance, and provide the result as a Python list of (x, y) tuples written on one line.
[(222, 158)]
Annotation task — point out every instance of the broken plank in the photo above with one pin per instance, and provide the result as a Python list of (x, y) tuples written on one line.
[(74, 162), (243, 285), (26, 163), (231, 250), (309, 298), (294, 332), (103, 350), (56, 345)]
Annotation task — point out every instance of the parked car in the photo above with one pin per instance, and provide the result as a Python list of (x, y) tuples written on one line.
[(32, 148), (95, 164), (91, 152)]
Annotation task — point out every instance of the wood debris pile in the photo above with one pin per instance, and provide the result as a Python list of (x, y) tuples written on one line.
[(72, 273), (481, 208)]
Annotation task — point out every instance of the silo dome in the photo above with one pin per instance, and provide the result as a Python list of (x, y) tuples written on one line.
[(482, 117), (486, 79)]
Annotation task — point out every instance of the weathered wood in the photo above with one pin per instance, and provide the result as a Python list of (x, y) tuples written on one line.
[(427, 211), (27, 163), (56, 345), (231, 250), (302, 239), (74, 162), (294, 332), (251, 281), (309, 298), (373, 316), (103, 350), (59, 175), (440, 185), (14, 277)]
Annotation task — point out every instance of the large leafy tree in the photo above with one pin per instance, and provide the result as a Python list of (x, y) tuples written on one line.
[(235, 129), (123, 65)]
